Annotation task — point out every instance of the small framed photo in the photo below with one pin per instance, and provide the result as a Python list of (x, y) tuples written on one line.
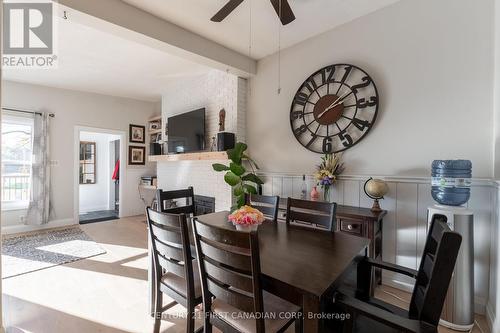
[(137, 133), (136, 155), (155, 125)]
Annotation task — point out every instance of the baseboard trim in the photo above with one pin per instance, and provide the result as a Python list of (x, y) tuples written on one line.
[(491, 318), (389, 279), (16, 229)]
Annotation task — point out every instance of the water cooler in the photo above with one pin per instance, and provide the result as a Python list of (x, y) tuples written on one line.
[(451, 180), (458, 311)]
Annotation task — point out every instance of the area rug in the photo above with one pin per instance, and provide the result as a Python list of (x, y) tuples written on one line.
[(36, 251)]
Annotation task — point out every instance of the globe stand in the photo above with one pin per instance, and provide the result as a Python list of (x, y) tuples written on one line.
[(376, 207), (376, 195)]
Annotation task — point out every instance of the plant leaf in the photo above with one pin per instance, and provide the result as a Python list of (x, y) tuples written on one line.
[(237, 169), (219, 167), (232, 179), (236, 153), (240, 200), (238, 190), (252, 178), (250, 189)]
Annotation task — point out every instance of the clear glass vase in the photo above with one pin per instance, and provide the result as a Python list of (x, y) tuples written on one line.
[(326, 193)]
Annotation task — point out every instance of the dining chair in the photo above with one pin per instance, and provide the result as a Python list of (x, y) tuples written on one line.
[(317, 213), (267, 205), (429, 293), (175, 272), (164, 197), (233, 298)]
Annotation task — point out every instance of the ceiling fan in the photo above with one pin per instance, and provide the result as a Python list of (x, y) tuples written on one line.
[(286, 16)]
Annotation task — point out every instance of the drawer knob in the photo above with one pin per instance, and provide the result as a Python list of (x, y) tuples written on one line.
[(349, 227)]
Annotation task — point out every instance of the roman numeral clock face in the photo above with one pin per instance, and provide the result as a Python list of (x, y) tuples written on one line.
[(334, 109)]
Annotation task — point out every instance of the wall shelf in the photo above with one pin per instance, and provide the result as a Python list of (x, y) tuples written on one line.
[(203, 156)]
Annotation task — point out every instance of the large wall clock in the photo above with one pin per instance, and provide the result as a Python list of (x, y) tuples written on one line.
[(334, 109)]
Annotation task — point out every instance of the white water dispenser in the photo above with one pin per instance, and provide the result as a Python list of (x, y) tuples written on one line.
[(458, 311)]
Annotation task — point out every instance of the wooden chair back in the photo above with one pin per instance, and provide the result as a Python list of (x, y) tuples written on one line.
[(230, 268), (162, 198), (436, 268), (268, 205), (171, 249), (312, 212)]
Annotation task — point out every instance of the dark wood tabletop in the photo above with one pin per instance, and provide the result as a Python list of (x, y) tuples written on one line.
[(300, 261)]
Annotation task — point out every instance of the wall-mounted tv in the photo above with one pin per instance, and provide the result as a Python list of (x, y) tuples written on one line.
[(186, 132)]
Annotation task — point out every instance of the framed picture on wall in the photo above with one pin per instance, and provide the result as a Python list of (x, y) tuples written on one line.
[(137, 133), (136, 155)]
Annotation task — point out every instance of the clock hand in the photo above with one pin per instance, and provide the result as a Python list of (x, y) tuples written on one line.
[(338, 101)]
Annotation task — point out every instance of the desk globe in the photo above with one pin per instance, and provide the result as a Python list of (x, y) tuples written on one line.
[(376, 189)]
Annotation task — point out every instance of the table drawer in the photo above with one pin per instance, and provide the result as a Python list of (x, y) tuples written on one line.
[(352, 227)]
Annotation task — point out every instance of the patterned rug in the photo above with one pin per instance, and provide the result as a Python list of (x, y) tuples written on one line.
[(32, 252)]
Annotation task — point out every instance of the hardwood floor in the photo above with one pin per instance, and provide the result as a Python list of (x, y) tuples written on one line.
[(107, 293)]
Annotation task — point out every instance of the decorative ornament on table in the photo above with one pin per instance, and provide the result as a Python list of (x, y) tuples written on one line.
[(314, 194), (237, 176), (327, 173), (376, 189), (246, 218)]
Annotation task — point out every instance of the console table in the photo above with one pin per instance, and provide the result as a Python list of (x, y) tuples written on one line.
[(357, 221)]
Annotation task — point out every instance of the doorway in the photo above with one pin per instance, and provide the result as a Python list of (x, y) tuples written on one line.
[(98, 175)]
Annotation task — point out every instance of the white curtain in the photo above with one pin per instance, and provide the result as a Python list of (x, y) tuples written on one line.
[(39, 206)]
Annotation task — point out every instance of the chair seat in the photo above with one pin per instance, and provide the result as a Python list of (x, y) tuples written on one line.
[(243, 321), (179, 285)]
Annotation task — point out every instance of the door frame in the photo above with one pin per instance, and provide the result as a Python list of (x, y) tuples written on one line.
[(76, 166)]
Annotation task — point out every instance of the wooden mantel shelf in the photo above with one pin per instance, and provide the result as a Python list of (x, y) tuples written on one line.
[(203, 156)]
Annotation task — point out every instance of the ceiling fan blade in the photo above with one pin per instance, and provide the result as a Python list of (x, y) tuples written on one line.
[(287, 15), (226, 10)]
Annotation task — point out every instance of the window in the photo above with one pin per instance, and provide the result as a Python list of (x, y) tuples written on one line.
[(17, 152)]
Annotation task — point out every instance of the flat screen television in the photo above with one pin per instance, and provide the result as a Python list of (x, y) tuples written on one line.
[(186, 132)]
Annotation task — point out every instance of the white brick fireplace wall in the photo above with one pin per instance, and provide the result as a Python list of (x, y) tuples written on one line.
[(199, 174), (213, 91)]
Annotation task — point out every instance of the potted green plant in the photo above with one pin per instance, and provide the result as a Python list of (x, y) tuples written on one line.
[(241, 181)]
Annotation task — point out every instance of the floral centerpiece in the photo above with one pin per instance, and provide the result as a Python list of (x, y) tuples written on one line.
[(327, 173), (246, 218)]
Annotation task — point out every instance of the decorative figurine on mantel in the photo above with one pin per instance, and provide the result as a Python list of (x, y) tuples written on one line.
[(225, 140), (222, 120), (327, 173), (376, 189)]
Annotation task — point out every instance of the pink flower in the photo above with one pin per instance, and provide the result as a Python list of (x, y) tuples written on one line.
[(246, 215)]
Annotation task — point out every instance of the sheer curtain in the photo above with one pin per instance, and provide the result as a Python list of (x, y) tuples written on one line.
[(39, 206)]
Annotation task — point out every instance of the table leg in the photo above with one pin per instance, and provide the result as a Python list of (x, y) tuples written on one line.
[(312, 312)]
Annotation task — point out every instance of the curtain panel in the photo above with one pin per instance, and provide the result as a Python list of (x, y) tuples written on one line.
[(39, 207)]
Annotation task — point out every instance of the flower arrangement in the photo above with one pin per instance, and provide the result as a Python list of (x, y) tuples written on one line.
[(327, 172), (246, 216)]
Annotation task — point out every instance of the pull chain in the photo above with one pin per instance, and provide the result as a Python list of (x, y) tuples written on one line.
[(279, 50)]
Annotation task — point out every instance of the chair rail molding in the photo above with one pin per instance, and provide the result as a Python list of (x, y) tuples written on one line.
[(405, 226)]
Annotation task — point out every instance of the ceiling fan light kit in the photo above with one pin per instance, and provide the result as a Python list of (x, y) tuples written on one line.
[(282, 8)]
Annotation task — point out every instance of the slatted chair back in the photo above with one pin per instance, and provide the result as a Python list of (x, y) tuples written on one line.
[(436, 268), (268, 205), (230, 268), (188, 208), (170, 246), (312, 212)]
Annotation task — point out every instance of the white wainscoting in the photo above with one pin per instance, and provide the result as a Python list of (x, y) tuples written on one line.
[(405, 226)]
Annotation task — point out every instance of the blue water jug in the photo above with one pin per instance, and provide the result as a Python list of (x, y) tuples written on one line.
[(451, 180)]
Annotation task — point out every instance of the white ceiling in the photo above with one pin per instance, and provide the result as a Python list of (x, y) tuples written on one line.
[(312, 18), (95, 61)]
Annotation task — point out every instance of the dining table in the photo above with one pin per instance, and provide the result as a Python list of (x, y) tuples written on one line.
[(301, 265)]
